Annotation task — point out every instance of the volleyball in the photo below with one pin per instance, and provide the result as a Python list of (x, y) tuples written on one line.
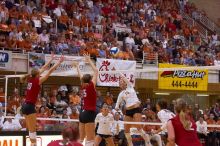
[(114, 51)]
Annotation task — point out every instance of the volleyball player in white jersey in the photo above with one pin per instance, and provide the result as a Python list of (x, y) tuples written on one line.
[(164, 115), (133, 110), (104, 121)]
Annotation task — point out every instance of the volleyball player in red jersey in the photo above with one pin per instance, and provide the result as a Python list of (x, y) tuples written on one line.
[(88, 110), (182, 128), (34, 80)]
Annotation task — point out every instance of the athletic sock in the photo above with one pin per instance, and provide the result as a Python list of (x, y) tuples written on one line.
[(129, 139), (145, 137)]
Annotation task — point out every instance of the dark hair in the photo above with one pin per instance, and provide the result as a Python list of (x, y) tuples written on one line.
[(41, 109), (162, 104), (71, 133), (86, 78), (104, 104)]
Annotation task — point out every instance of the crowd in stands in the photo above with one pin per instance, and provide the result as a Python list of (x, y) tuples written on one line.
[(64, 103), (153, 27)]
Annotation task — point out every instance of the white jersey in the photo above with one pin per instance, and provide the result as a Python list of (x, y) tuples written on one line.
[(164, 116), (105, 123), (117, 127), (129, 96)]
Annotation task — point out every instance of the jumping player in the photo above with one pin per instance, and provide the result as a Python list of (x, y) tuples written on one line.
[(133, 110), (34, 80), (88, 107)]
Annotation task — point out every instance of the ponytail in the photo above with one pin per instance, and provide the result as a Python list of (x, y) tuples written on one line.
[(182, 108), (183, 119)]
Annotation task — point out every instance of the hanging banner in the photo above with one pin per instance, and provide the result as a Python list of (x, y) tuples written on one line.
[(66, 68), (112, 79), (37, 60), (5, 59), (182, 79)]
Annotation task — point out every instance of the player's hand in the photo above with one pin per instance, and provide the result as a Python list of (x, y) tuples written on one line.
[(52, 55), (62, 58), (87, 57), (75, 63)]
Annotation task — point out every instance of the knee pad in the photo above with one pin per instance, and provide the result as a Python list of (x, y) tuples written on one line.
[(89, 143), (33, 144), (32, 135)]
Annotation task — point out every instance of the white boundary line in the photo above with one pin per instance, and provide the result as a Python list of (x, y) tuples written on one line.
[(124, 122)]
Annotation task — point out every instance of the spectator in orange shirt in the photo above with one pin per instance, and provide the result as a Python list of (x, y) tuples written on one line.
[(148, 128), (75, 114), (74, 99), (42, 113), (108, 99), (13, 104), (12, 43), (63, 20)]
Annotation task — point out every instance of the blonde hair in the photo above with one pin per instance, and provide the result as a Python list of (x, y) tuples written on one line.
[(34, 72), (181, 108)]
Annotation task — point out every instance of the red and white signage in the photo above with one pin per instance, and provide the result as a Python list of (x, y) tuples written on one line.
[(112, 79), (11, 141)]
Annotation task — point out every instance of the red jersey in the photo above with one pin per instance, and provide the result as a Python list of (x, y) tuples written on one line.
[(33, 89), (59, 143), (185, 137), (88, 97)]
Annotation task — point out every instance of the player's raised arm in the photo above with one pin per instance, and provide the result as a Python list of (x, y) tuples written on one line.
[(43, 68), (95, 70), (24, 78), (45, 77), (124, 78), (76, 65)]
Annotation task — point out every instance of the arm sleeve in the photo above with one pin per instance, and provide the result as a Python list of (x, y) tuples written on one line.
[(96, 120), (119, 100)]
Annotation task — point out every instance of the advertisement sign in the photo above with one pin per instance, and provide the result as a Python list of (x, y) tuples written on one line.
[(37, 60), (112, 79), (66, 68), (182, 79), (11, 141), (5, 59), (44, 140)]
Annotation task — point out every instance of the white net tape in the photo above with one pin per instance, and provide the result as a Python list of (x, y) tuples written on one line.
[(123, 122), (149, 69)]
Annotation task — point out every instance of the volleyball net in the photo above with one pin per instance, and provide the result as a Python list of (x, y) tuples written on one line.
[(201, 81)]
